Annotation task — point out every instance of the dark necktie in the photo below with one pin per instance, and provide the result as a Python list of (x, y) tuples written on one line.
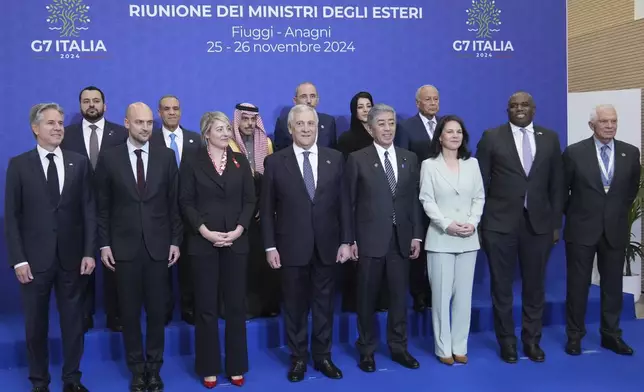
[(52, 181), (140, 172), (391, 178), (308, 175), (93, 145)]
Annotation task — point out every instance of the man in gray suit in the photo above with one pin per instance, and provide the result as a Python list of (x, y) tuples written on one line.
[(385, 211)]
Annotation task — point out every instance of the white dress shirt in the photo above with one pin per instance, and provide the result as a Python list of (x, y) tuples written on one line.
[(313, 158), (178, 139), (133, 158), (87, 132), (426, 121), (60, 168), (392, 158), (518, 139)]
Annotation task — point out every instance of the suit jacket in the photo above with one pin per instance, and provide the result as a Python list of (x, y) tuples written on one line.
[(372, 205), (221, 202), (451, 197), (287, 212), (191, 141), (36, 232), (412, 135), (124, 217), (506, 183), (327, 134), (590, 211), (113, 135)]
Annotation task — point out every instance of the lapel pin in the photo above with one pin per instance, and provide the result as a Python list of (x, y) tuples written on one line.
[(403, 165), (322, 126), (623, 154), (375, 165), (71, 164), (190, 141), (539, 133), (328, 162), (110, 133)]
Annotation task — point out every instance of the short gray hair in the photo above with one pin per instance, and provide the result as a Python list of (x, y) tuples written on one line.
[(596, 109), (420, 89), (297, 109), (377, 110), (304, 84), (208, 119), (36, 112)]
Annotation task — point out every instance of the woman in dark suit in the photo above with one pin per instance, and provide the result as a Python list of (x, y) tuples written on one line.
[(217, 198)]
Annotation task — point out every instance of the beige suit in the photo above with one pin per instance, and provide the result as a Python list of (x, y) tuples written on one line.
[(448, 196)]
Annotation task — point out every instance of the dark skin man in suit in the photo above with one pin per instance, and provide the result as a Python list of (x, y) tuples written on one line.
[(602, 178), (524, 191), (50, 224)]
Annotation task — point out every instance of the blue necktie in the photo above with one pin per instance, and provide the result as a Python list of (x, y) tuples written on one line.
[(606, 160), (391, 178), (308, 175), (175, 148)]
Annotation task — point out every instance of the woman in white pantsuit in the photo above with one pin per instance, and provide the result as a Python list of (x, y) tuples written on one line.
[(451, 191)]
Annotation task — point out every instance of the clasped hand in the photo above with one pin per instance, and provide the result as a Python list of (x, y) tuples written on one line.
[(221, 239), (460, 229)]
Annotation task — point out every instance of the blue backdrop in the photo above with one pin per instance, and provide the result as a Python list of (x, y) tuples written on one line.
[(477, 53)]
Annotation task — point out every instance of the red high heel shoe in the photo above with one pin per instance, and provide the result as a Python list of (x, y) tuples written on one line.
[(209, 384), (238, 382)]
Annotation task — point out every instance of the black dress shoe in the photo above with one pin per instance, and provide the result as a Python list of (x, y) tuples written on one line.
[(40, 389), (509, 353), (404, 358), (367, 363), (296, 373), (534, 352), (616, 345), (138, 383), (327, 368), (88, 323), (155, 384), (420, 304), (75, 388), (573, 347)]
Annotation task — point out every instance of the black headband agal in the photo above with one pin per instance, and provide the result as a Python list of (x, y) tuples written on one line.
[(239, 106)]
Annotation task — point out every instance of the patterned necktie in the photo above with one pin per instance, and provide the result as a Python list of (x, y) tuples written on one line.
[(140, 172), (430, 124), (606, 160), (175, 148), (527, 151), (308, 175), (53, 184), (391, 179), (93, 145)]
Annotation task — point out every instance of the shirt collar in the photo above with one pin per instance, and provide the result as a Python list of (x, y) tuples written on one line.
[(515, 128), (43, 153), (381, 150), (131, 148), (299, 150), (100, 124), (178, 132), (599, 144), (427, 119)]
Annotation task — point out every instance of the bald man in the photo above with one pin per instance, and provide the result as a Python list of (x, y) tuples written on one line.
[(140, 231), (523, 178)]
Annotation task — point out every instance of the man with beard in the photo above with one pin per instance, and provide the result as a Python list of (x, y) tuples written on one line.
[(139, 234), (249, 138), (415, 134), (184, 143), (522, 173), (93, 135), (306, 94)]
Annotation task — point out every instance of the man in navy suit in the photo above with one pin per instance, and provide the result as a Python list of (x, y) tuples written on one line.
[(302, 198), (50, 228), (184, 143), (415, 134), (306, 94), (93, 135)]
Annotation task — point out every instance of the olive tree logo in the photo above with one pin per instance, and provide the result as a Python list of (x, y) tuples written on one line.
[(483, 14), (66, 16)]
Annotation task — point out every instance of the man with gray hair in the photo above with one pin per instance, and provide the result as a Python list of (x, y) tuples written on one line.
[(383, 183), (50, 228), (602, 180)]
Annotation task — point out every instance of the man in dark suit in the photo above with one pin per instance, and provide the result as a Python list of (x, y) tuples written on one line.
[(382, 181), (89, 138), (415, 134), (50, 228), (139, 234), (306, 94), (524, 191), (302, 198), (183, 143), (602, 176)]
